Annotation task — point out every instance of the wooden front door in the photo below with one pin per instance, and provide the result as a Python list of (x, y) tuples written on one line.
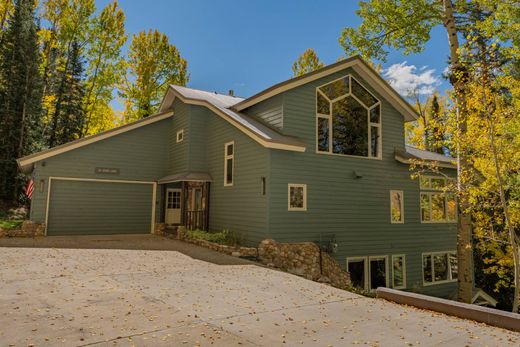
[(196, 216), (173, 206)]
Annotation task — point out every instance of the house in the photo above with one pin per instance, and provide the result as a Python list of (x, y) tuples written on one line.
[(321, 157)]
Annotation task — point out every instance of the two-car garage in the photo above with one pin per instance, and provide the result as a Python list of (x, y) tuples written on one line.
[(78, 206)]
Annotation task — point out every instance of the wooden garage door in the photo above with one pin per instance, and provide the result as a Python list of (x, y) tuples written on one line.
[(99, 208)]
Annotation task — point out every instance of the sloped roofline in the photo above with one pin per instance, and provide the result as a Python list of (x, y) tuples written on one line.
[(284, 142), (25, 163), (358, 65)]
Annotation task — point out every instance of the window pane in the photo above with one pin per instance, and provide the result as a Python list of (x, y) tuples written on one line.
[(395, 205), (356, 270), (438, 183), (323, 104), (425, 207), (362, 94), (350, 127), (229, 149), (336, 89), (427, 268), (229, 171), (377, 273), (323, 134), (297, 197), (424, 182), (375, 114), (438, 208), (398, 271), (453, 265), (451, 207), (440, 264), (374, 141)]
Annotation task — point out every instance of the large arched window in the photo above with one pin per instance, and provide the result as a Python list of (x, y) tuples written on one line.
[(348, 119)]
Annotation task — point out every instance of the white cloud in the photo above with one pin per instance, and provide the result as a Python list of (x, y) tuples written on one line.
[(406, 80)]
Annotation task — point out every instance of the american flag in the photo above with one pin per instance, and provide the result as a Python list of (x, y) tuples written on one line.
[(29, 188)]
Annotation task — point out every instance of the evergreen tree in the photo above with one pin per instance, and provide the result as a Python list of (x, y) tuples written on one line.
[(68, 118), (20, 95)]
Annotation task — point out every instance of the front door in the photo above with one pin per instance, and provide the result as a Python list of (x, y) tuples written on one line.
[(173, 206)]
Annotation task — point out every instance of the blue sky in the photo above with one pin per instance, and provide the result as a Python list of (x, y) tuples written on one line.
[(250, 45)]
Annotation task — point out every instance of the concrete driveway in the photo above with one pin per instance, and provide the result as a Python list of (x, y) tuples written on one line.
[(110, 297)]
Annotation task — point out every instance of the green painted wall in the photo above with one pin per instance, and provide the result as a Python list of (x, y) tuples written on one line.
[(269, 111), (179, 152), (241, 207), (139, 154), (355, 210), (77, 209)]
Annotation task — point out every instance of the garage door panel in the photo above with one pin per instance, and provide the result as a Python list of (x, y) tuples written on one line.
[(93, 207)]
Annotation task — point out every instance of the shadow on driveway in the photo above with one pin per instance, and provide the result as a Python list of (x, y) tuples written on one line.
[(135, 242)]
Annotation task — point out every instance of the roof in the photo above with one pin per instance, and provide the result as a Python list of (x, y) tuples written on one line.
[(186, 176), (412, 153), (357, 64), (220, 104), (26, 163)]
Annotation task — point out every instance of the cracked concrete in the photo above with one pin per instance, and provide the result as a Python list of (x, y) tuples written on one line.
[(100, 297)]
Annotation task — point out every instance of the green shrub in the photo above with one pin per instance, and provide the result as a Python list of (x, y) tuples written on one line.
[(10, 224), (224, 237)]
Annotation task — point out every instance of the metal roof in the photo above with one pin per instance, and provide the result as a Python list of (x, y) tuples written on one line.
[(221, 104), (411, 153)]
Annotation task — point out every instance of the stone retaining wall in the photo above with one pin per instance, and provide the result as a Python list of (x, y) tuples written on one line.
[(27, 229), (303, 259)]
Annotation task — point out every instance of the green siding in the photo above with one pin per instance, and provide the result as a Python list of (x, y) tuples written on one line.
[(355, 210), (140, 154), (270, 111), (240, 207), (179, 152), (86, 208)]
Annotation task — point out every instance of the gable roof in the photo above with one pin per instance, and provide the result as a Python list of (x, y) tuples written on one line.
[(26, 163), (412, 153), (220, 105), (357, 64)]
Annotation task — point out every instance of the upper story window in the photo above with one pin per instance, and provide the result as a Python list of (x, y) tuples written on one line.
[(348, 119), (396, 206), (180, 135), (437, 204), (229, 163)]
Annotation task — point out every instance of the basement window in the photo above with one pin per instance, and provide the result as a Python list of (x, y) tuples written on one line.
[(357, 268), (439, 267), (398, 271), (378, 272)]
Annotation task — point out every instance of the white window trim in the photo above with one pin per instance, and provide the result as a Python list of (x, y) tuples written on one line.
[(226, 158), (370, 124), (387, 272), (402, 207), (365, 268), (450, 276), (443, 221), (181, 134), (403, 256), (296, 185)]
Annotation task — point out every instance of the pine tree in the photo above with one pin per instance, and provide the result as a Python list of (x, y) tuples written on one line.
[(69, 116), (20, 95)]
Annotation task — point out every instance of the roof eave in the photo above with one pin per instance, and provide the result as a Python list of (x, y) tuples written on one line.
[(24, 162), (264, 142), (410, 160), (358, 64)]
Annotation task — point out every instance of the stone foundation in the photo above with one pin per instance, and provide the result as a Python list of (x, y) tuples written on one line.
[(27, 229), (303, 259), (159, 229)]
